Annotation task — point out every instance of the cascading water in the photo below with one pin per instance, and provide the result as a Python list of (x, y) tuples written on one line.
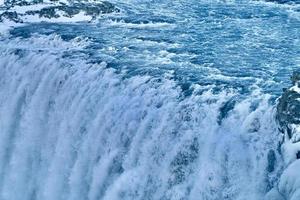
[(153, 105), (84, 133)]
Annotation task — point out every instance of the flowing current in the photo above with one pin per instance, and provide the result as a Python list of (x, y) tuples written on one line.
[(167, 100)]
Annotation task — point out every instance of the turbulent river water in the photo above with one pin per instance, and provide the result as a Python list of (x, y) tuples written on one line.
[(161, 100)]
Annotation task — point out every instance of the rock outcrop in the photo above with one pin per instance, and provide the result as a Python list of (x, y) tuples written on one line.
[(288, 117), (19, 11), (288, 108)]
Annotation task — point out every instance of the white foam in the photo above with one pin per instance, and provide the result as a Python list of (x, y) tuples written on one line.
[(51, 43), (295, 88), (7, 25), (290, 149), (290, 181), (150, 25), (80, 17)]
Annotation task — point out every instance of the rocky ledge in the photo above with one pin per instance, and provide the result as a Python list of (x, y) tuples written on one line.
[(20, 11)]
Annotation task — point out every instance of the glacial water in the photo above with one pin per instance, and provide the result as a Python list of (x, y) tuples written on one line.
[(167, 100)]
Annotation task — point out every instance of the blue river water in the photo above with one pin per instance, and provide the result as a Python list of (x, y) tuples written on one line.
[(162, 100), (237, 44)]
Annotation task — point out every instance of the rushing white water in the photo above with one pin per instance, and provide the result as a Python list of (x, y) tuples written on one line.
[(72, 130), (162, 100)]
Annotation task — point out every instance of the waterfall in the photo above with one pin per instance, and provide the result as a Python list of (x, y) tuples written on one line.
[(70, 129)]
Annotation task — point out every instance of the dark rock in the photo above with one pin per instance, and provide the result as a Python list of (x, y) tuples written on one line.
[(12, 16), (284, 1), (288, 108), (295, 77), (58, 10), (93, 10), (271, 161)]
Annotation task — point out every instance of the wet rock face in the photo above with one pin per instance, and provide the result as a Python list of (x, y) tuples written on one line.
[(288, 116), (288, 108), (55, 9)]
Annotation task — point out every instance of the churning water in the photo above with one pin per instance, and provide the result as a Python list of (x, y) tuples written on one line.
[(162, 100)]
